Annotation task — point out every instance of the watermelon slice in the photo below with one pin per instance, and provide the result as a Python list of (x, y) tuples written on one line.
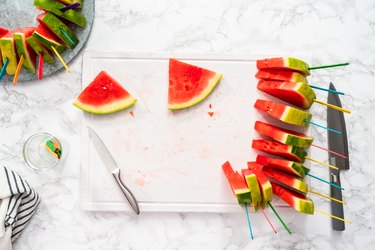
[(237, 183), (58, 28), (42, 35), (54, 7), (280, 75), (290, 167), (283, 112), (23, 48), (276, 148), (283, 135), (252, 183), (69, 2), (284, 63), (297, 93), (40, 49), (8, 50), (104, 95), (264, 185), (3, 32), (299, 202), (286, 180), (189, 84)]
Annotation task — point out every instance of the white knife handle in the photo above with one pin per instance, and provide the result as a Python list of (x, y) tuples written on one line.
[(126, 191)]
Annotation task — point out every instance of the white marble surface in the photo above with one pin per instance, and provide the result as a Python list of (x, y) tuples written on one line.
[(326, 31)]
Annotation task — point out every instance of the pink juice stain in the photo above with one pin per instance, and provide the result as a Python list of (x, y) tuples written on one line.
[(210, 113)]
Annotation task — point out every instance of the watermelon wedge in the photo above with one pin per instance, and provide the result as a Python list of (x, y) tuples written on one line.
[(285, 180), (283, 135), (104, 95), (23, 48), (54, 7), (3, 32), (299, 202), (46, 38), (264, 185), (57, 27), (284, 63), (40, 49), (280, 75), (297, 93), (276, 148), (252, 183), (290, 167), (69, 2), (189, 84), (237, 184), (8, 50), (283, 112)]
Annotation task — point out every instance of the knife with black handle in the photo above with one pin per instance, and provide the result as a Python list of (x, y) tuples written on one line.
[(337, 143)]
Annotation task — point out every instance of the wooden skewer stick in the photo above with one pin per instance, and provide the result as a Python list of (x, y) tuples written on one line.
[(18, 70), (269, 222), (322, 163), (328, 90), (328, 150), (60, 58), (3, 69), (67, 36), (248, 222), (329, 66), (320, 179), (326, 196), (335, 217), (72, 6), (321, 126), (278, 216), (332, 106)]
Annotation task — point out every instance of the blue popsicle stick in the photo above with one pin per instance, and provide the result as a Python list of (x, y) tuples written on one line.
[(248, 222), (72, 6), (328, 90), (321, 126), (66, 35), (330, 183), (2, 72)]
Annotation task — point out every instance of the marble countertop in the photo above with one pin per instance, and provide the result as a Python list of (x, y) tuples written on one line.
[(327, 31)]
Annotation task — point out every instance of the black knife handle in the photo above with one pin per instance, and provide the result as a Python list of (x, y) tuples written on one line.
[(337, 209)]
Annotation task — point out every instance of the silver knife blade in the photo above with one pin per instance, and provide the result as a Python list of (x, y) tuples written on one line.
[(102, 150), (339, 144)]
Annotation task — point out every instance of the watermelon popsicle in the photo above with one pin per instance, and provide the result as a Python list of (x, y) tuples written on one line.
[(264, 185), (252, 183), (46, 38), (40, 50), (285, 180), (237, 184), (23, 48), (284, 63), (3, 32), (280, 75), (287, 166), (8, 51)]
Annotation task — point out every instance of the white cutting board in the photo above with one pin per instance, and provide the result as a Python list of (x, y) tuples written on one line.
[(171, 160)]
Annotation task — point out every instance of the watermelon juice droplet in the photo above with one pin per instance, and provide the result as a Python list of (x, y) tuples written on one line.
[(210, 113)]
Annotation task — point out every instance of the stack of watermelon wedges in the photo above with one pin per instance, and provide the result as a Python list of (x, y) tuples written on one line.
[(54, 30)]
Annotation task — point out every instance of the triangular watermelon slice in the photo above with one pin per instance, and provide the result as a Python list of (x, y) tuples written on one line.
[(8, 50), (264, 185), (104, 95), (290, 167), (252, 183), (48, 39), (284, 63), (3, 32), (189, 84), (23, 48)]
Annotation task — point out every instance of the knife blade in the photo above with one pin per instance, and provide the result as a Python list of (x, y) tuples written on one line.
[(113, 168), (338, 143)]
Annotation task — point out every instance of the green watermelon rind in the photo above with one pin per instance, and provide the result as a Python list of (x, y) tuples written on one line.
[(252, 183), (305, 90), (69, 2), (304, 206), (9, 51), (20, 41), (106, 108), (295, 116), (298, 65), (48, 43), (40, 49), (266, 190), (243, 196), (210, 87), (298, 152)]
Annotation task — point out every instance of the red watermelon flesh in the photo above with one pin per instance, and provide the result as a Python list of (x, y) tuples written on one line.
[(297, 93), (264, 185), (283, 112), (290, 167), (286, 151), (23, 48), (284, 63), (283, 135), (280, 75), (285, 179), (189, 84), (104, 95), (237, 184), (299, 202)]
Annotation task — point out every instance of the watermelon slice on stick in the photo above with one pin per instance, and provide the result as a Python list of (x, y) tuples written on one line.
[(280, 75), (252, 183), (276, 148), (299, 202), (8, 50), (237, 184), (104, 95), (3, 32), (40, 50), (283, 135), (297, 93), (189, 84), (286, 180), (283, 112), (46, 38), (264, 185), (23, 48), (290, 167), (284, 63)]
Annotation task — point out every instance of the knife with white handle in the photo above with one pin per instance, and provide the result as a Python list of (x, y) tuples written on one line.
[(112, 167)]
